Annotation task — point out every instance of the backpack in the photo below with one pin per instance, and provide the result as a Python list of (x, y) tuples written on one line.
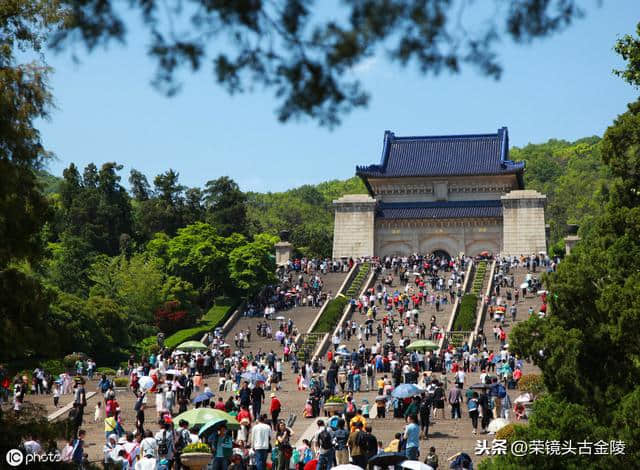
[(184, 439), (361, 440), (324, 439), (351, 407), (369, 370), (105, 386), (502, 392), (163, 444)]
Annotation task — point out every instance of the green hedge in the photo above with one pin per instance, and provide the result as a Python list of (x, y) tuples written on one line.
[(466, 318), (213, 318), (121, 382), (105, 371), (331, 315)]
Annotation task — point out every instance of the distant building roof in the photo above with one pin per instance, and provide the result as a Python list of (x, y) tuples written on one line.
[(454, 155), (439, 210)]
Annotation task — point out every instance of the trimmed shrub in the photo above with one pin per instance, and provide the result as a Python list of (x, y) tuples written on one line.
[(466, 318), (105, 371), (331, 315), (54, 366), (70, 360), (532, 383), (507, 432), (121, 382)]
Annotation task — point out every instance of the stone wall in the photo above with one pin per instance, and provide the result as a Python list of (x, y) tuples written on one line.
[(523, 223), (353, 233), (455, 236)]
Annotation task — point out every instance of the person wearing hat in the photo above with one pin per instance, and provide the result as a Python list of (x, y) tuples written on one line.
[(275, 409), (222, 446)]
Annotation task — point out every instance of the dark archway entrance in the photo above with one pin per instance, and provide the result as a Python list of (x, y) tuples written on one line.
[(442, 254)]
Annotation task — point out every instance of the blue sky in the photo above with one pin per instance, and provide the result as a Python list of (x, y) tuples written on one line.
[(561, 87)]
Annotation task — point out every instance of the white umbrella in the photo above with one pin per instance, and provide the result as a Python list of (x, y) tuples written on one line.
[(524, 398), (415, 465), (145, 382), (280, 317), (524, 285), (417, 274), (347, 466), (173, 372), (415, 311), (224, 345), (177, 352), (497, 424), (540, 292)]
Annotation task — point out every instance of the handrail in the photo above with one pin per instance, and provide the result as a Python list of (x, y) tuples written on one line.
[(482, 308)]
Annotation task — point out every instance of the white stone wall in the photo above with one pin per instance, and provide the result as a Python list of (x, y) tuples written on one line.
[(455, 236), (523, 223), (353, 233)]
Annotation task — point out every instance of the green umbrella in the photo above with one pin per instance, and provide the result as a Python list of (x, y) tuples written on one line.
[(211, 427), (200, 416), (423, 345), (192, 345)]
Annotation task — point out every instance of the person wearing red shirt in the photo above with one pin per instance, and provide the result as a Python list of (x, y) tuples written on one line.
[(220, 404), (275, 409), (244, 413)]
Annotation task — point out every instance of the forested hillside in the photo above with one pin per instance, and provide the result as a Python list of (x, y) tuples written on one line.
[(127, 262)]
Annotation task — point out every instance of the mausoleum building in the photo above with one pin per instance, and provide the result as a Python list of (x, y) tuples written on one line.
[(448, 194)]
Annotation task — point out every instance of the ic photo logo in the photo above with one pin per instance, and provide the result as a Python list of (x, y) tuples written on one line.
[(15, 457)]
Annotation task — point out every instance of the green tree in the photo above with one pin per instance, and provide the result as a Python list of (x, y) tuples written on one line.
[(252, 266), (225, 205), (587, 348)]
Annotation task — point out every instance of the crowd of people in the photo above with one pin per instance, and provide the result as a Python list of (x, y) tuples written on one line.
[(246, 383)]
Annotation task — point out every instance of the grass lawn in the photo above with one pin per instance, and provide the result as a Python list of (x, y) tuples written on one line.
[(208, 322)]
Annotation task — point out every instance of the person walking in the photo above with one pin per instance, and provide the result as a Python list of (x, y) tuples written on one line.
[(275, 409), (323, 440), (473, 408), (455, 399), (260, 439), (412, 436)]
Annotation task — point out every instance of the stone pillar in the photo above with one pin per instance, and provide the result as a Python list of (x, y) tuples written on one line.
[(353, 233), (569, 242), (284, 250), (523, 223)]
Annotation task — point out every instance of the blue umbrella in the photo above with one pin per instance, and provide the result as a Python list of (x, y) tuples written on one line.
[(254, 377), (202, 397), (406, 391), (343, 353)]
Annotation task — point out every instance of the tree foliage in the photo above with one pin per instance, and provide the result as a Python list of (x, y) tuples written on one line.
[(306, 57), (588, 347)]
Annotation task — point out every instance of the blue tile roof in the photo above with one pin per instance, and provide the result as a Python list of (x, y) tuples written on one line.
[(455, 155), (439, 210)]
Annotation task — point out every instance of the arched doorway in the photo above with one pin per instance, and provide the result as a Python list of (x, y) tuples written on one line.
[(441, 254)]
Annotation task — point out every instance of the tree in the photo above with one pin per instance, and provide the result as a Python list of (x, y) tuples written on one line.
[(252, 266), (587, 348), (139, 185), (307, 56), (226, 206)]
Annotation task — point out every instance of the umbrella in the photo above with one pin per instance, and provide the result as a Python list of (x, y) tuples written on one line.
[(479, 386), (279, 335), (415, 465), (224, 345), (386, 459), (280, 317), (145, 382), (211, 426), (201, 416), (173, 372), (406, 390), (311, 464), (380, 398), (524, 398), (192, 345), (202, 397), (524, 285), (422, 345), (177, 352), (343, 353), (254, 377), (370, 320), (415, 311), (347, 466), (497, 424)]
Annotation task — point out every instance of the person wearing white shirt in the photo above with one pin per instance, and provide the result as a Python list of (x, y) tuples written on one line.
[(260, 439), (149, 446), (147, 462)]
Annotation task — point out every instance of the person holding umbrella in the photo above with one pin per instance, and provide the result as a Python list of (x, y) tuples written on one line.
[(222, 446)]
